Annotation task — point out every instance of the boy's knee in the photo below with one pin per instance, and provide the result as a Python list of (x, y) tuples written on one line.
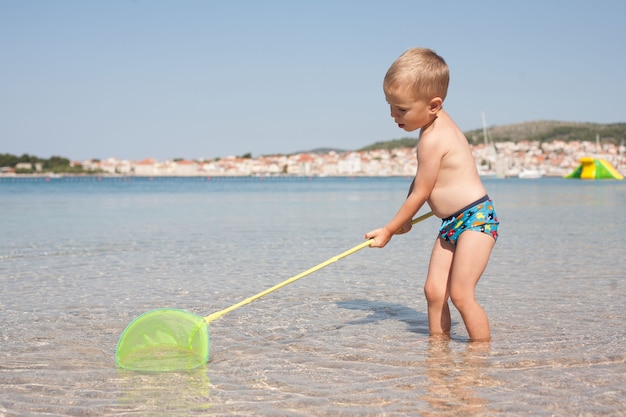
[(434, 293), (460, 298)]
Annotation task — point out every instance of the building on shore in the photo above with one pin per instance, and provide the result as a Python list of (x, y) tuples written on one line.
[(503, 159)]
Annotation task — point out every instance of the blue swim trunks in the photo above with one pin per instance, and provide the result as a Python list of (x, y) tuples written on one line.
[(479, 216)]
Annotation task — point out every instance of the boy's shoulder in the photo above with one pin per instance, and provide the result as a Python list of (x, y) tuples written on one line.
[(441, 131), (443, 140)]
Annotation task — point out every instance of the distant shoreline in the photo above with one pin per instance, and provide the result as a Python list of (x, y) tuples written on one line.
[(96, 177), (501, 159)]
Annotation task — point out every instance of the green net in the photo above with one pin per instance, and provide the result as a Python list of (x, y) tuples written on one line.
[(164, 340)]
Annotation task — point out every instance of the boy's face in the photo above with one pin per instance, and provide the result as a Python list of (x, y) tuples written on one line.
[(408, 113)]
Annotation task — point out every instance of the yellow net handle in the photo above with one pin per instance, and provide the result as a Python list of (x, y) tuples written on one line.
[(220, 313)]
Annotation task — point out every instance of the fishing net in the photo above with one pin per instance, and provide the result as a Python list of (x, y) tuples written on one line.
[(164, 340)]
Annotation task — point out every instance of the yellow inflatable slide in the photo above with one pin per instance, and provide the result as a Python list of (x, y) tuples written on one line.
[(594, 169)]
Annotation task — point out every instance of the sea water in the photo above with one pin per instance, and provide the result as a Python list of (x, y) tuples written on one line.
[(80, 258)]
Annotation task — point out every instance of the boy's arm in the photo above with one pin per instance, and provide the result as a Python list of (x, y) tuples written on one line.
[(407, 226), (429, 156), (411, 188)]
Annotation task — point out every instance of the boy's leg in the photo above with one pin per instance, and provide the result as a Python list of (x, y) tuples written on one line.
[(470, 260), (436, 288)]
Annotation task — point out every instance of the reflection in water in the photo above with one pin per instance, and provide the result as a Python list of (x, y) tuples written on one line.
[(453, 379), (158, 393)]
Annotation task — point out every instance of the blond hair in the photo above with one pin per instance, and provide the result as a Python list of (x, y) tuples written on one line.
[(419, 72)]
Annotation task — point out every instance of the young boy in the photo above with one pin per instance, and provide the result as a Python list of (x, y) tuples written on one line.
[(447, 179)]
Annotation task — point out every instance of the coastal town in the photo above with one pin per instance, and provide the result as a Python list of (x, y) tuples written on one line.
[(502, 159), (524, 159)]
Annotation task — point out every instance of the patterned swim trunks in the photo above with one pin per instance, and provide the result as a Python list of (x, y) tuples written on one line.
[(479, 216)]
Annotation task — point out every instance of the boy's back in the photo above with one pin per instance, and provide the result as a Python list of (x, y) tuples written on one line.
[(457, 181)]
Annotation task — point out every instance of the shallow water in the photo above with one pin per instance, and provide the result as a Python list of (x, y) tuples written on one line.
[(80, 258)]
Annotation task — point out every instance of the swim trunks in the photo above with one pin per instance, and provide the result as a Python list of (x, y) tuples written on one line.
[(479, 216)]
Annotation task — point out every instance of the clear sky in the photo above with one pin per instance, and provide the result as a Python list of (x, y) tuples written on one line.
[(203, 79)]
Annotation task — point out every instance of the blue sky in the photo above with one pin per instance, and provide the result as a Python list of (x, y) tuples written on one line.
[(204, 79)]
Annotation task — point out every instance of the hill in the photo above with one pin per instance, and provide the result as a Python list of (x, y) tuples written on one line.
[(542, 131), (548, 131), (391, 144)]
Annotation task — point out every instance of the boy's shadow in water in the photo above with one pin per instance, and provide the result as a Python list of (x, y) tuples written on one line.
[(415, 321)]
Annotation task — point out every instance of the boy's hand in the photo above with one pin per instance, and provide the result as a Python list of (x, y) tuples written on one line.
[(381, 237)]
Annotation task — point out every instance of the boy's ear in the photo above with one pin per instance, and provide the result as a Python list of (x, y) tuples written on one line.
[(436, 103)]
